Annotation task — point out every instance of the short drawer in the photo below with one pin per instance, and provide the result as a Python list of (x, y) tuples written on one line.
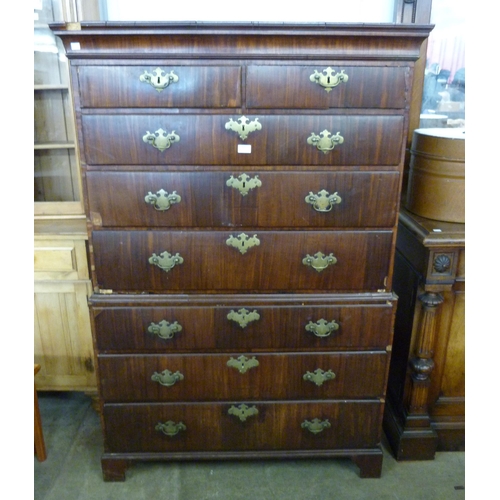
[(161, 86), (182, 139), (253, 199), (252, 260), (180, 427), (326, 86), (240, 376), (245, 325)]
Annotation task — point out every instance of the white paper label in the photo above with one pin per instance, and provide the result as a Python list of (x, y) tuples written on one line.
[(75, 46), (244, 148)]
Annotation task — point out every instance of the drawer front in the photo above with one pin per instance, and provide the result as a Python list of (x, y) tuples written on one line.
[(222, 377), (256, 199), (197, 328), (210, 426), (204, 140), (326, 86), (263, 260), (160, 86)]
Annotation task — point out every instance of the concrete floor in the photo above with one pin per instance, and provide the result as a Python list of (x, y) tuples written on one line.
[(73, 470)]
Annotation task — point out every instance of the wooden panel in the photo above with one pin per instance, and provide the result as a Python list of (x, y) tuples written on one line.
[(131, 428), (122, 329), (209, 378), (367, 199), (197, 87), (291, 87), (204, 140), (59, 259), (63, 344), (210, 264)]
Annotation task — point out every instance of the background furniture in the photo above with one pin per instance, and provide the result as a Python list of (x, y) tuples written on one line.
[(40, 450), (425, 408), (242, 185)]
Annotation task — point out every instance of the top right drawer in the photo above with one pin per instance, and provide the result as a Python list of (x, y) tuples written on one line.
[(326, 86)]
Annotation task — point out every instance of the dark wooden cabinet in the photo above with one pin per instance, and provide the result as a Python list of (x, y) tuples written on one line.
[(425, 409), (242, 187)]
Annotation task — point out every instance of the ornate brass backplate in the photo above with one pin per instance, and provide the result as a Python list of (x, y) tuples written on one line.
[(164, 329), (322, 328), (325, 142), (159, 79), (319, 376), (161, 139), (315, 425), (323, 201), (319, 261), (243, 411), (243, 316), (243, 126), (170, 428), (167, 378), (243, 242), (166, 261), (328, 78), (244, 183), (162, 200), (242, 363)]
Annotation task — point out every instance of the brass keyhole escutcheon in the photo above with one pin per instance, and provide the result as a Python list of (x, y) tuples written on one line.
[(243, 411), (319, 376), (243, 126), (328, 78), (159, 79), (243, 316), (243, 242), (244, 183), (242, 363)]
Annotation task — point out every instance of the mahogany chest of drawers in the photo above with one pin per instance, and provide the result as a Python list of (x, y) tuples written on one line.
[(242, 188)]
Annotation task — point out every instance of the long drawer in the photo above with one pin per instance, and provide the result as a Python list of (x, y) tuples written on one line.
[(240, 325), (253, 199), (240, 376), (220, 260), (214, 427), (185, 139)]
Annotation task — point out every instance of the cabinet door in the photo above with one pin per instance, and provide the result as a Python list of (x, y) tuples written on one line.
[(63, 346)]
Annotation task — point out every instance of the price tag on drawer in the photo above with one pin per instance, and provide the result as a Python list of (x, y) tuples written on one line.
[(244, 148)]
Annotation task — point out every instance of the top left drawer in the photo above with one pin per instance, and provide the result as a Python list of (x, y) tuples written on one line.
[(160, 86)]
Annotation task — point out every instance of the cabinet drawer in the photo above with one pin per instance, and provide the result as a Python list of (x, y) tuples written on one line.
[(204, 140), (188, 86), (207, 260), (209, 426), (256, 199), (242, 325), (348, 86), (239, 376)]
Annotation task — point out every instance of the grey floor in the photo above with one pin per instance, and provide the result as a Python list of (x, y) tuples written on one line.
[(72, 470)]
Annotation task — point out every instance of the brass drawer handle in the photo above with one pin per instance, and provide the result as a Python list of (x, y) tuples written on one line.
[(243, 126), (323, 201), (165, 260), (319, 261), (159, 79), (244, 183), (164, 329), (243, 411), (162, 200), (170, 428), (243, 316), (167, 378), (328, 78), (322, 328), (315, 425), (319, 376), (325, 142), (161, 139), (243, 242), (242, 363)]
